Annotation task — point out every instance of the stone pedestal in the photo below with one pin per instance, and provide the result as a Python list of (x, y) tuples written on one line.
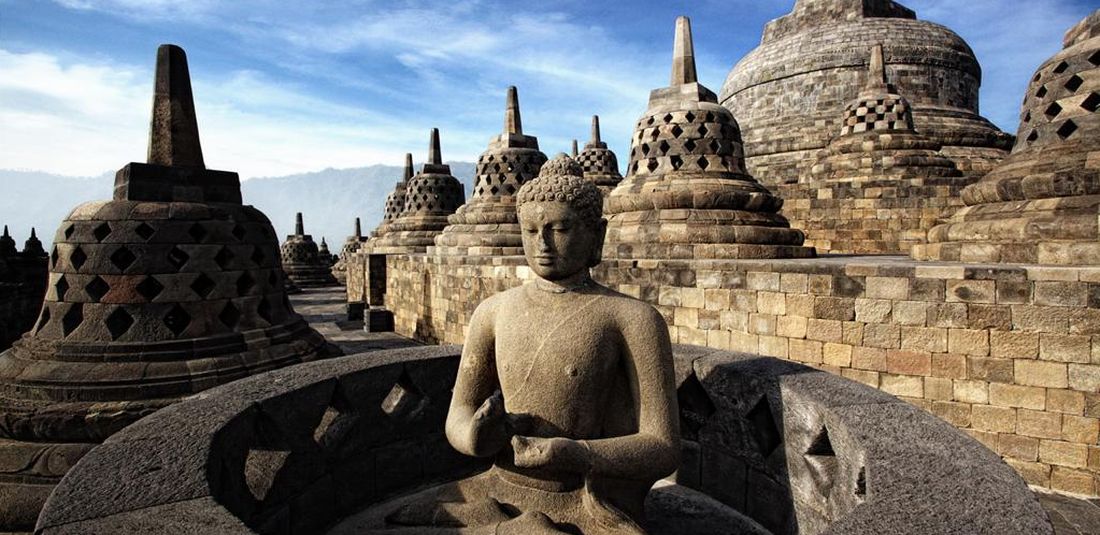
[(1042, 203), (686, 193)]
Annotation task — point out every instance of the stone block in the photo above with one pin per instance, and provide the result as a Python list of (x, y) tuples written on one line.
[(1041, 373), (1065, 348), (835, 308), (763, 281), (949, 365), (956, 414), (1073, 481), (902, 385), (1080, 430), (1013, 345), (1018, 447), (910, 313), (873, 310), (1066, 401), (839, 355), (771, 303), (937, 389), (774, 346), (762, 323), (808, 351), (968, 342), (968, 391), (1039, 424), (884, 336), (1063, 294), (1026, 397), (825, 330), (1040, 319), (980, 316), (931, 339), (994, 419), (971, 291), (868, 378), (852, 333), (931, 290), (1055, 452), (908, 362), (992, 370), (1037, 474), (1013, 292), (895, 288), (947, 315), (1084, 377)]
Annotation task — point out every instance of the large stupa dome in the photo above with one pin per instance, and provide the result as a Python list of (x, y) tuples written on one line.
[(789, 93)]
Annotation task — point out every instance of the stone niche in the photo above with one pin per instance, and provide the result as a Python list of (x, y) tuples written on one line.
[(789, 93), (768, 447)]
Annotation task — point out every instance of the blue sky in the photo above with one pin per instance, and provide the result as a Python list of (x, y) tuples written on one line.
[(286, 87)]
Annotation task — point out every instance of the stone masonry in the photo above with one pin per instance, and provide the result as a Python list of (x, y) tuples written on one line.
[(880, 185), (1042, 203), (790, 92)]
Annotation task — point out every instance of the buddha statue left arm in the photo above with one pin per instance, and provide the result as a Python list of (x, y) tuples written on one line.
[(651, 453)]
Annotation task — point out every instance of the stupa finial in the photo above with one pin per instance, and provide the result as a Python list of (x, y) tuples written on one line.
[(33, 236), (434, 155), (596, 130), (358, 229), (408, 167), (299, 227), (876, 69), (6, 232), (683, 54), (173, 130), (512, 122), (574, 152)]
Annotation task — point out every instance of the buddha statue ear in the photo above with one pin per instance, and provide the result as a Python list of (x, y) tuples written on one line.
[(597, 248)]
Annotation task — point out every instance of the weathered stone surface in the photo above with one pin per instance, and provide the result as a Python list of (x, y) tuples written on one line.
[(687, 193), (600, 165), (1041, 204), (819, 49)]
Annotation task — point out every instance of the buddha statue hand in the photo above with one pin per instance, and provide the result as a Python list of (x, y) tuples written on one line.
[(557, 453), (493, 427)]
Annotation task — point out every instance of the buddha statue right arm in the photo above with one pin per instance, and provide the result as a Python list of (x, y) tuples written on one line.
[(477, 424)]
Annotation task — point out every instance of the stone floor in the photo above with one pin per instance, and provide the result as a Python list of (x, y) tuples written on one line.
[(324, 309)]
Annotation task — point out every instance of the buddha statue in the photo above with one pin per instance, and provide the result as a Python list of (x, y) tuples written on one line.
[(567, 385)]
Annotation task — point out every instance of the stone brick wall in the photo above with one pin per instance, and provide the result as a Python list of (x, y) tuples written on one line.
[(1010, 354)]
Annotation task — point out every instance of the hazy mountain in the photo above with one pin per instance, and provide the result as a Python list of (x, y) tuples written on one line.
[(329, 200)]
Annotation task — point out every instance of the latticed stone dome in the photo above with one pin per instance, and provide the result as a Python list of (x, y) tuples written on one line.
[(599, 163), (304, 262)]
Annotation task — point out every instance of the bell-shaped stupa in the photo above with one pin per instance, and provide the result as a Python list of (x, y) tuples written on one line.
[(430, 197), (599, 163), (487, 224), (303, 261), (1042, 203), (686, 193), (352, 244), (170, 288), (880, 185), (395, 201)]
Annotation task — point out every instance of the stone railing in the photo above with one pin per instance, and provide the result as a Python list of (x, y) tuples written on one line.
[(798, 450)]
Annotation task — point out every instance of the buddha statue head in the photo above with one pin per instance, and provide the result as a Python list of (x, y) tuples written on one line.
[(561, 219)]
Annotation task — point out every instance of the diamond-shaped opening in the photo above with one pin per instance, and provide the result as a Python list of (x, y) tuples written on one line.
[(1038, 76), (257, 255), (123, 258), (703, 162), (667, 118), (102, 231), (43, 319), (119, 322), (77, 257), (695, 407), (1061, 68), (1074, 83), (861, 482), (703, 130), (405, 402), (53, 257), (261, 467), (689, 145), (145, 231), (652, 165), (763, 429), (97, 288), (62, 287), (821, 444), (230, 315), (677, 162), (69, 230), (1092, 103), (149, 288), (72, 318), (239, 232), (821, 462), (203, 285), (177, 320), (197, 232), (245, 283), (1095, 58), (264, 310), (1033, 136), (223, 258), (1027, 117), (1067, 129), (1053, 110), (1042, 92), (663, 147), (689, 116), (177, 257), (676, 130)]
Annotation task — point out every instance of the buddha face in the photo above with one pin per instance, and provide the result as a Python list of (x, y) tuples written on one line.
[(557, 241)]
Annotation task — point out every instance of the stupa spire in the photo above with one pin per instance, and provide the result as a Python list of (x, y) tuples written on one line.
[(574, 151), (435, 156), (876, 69), (408, 168), (595, 130), (683, 54), (512, 122), (358, 229), (174, 129), (6, 232), (299, 227)]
